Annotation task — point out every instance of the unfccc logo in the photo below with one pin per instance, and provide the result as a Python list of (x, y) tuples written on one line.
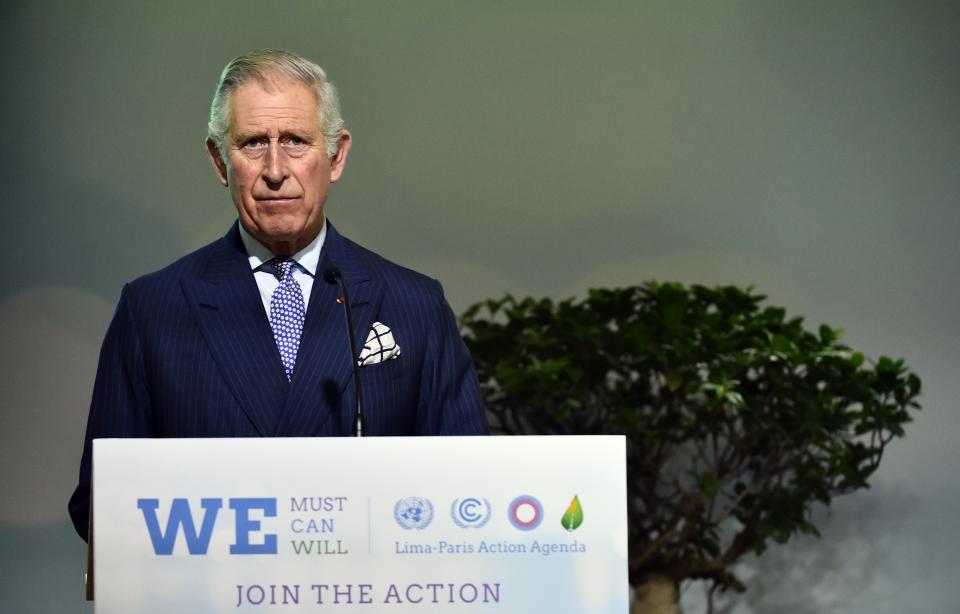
[(525, 513), (470, 513)]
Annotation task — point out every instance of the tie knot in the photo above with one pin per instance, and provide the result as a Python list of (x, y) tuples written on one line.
[(282, 267)]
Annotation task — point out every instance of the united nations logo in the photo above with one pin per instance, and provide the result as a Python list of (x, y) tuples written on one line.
[(470, 513), (413, 513)]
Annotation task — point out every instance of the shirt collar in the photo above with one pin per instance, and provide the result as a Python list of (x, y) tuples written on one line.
[(307, 258)]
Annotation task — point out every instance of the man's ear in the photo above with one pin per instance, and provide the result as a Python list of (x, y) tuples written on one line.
[(339, 159), (213, 152)]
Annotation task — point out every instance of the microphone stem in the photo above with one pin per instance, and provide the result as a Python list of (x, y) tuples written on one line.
[(358, 419)]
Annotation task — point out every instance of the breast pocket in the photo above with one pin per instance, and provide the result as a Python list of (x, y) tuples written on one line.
[(383, 371)]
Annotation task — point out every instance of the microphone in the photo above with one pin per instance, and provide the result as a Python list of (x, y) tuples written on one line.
[(332, 276)]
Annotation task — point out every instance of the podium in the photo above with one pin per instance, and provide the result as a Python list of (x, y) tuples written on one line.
[(392, 524)]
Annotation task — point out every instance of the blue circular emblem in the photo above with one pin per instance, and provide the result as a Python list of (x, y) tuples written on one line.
[(525, 513), (413, 513), (470, 512)]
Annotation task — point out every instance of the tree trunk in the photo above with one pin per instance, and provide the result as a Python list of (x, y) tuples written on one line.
[(655, 595)]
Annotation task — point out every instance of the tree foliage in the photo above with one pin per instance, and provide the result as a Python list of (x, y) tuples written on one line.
[(738, 419)]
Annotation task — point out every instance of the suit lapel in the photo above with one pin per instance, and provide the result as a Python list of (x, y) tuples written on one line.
[(227, 305), (323, 369)]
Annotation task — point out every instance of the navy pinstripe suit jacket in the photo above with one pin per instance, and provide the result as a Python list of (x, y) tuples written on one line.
[(190, 353)]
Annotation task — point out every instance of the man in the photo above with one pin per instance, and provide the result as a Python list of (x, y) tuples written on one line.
[(245, 337)]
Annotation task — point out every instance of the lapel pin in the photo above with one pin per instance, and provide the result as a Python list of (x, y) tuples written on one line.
[(340, 300)]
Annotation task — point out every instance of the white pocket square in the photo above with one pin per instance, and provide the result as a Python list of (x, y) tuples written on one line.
[(380, 346)]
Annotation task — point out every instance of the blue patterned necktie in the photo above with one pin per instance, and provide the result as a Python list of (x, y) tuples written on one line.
[(286, 313)]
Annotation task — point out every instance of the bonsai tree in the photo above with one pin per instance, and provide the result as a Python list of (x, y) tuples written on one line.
[(738, 419)]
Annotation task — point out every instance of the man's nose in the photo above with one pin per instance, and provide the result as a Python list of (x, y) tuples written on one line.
[(274, 165)]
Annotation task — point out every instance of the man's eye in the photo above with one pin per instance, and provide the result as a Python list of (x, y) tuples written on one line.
[(295, 146), (254, 144)]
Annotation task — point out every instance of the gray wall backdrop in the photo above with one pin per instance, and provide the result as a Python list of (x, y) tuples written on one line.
[(808, 148)]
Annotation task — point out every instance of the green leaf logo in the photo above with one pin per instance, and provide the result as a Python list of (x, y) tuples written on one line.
[(573, 517)]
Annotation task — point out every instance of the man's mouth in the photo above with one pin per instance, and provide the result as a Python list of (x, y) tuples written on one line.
[(276, 199)]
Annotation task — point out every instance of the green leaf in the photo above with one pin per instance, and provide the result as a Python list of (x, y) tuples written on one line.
[(573, 517), (827, 334), (674, 381), (735, 399)]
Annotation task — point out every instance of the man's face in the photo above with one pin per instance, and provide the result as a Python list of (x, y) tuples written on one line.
[(275, 163)]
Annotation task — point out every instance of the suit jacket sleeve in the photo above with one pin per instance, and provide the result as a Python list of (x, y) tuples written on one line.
[(450, 399), (121, 404)]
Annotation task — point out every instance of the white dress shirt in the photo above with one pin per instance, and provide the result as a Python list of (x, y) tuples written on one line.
[(304, 272)]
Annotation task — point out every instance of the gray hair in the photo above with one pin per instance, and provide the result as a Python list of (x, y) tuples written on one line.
[(264, 65)]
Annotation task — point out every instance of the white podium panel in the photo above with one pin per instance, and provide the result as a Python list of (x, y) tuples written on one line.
[(427, 524)]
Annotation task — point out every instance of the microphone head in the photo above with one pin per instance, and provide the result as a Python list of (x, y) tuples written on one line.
[(331, 275)]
